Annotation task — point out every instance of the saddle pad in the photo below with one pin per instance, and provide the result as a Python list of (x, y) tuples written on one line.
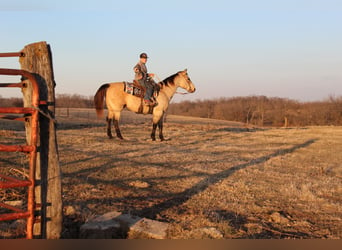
[(132, 89)]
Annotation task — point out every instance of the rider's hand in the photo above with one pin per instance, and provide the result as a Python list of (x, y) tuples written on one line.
[(151, 75)]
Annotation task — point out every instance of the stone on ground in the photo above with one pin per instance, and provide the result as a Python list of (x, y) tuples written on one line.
[(115, 225)]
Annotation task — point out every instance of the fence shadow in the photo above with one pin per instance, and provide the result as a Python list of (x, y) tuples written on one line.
[(182, 197), (239, 129)]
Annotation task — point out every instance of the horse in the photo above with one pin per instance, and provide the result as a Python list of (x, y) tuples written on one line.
[(117, 99)]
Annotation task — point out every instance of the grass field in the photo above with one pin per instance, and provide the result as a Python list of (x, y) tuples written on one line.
[(209, 179)]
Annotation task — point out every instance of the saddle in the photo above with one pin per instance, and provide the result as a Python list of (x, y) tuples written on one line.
[(135, 89)]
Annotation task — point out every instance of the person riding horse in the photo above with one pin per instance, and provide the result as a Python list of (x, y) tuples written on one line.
[(145, 79), (117, 99)]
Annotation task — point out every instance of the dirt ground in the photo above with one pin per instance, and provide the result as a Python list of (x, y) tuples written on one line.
[(209, 179)]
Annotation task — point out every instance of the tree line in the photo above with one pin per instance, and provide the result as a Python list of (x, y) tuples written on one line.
[(62, 101), (253, 110), (265, 111)]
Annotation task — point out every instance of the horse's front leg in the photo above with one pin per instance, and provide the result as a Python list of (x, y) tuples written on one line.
[(153, 134), (157, 121), (160, 126)]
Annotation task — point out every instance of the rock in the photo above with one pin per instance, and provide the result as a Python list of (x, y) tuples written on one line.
[(139, 184), (148, 229), (103, 227), (69, 211), (303, 223), (212, 232), (253, 228), (17, 203), (207, 232), (278, 218), (115, 225)]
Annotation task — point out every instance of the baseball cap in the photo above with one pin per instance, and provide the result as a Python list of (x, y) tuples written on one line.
[(143, 55)]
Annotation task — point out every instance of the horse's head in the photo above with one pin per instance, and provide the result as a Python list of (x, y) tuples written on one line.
[(185, 82)]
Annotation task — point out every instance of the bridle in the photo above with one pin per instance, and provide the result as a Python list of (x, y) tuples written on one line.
[(187, 79)]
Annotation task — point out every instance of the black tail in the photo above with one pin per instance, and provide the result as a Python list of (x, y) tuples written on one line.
[(99, 99)]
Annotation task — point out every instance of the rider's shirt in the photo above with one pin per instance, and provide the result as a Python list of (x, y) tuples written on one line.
[(140, 71)]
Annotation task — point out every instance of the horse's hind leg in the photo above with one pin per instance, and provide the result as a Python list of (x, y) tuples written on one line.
[(115, 117), (109, 127), (117, 129)]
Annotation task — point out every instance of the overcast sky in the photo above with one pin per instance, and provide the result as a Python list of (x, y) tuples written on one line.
[(289, 48)]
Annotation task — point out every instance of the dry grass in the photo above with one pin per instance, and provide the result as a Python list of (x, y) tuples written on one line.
[(242, 182)]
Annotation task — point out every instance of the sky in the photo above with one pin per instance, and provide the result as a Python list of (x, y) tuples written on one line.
[(290, 49)]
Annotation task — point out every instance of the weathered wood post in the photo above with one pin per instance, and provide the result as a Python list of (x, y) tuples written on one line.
[(286, 122), (37, 59)]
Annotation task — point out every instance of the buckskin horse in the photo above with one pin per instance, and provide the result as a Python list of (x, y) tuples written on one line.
[(117, 99)]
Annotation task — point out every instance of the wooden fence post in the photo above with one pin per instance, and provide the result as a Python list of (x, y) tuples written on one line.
[(38, 61)]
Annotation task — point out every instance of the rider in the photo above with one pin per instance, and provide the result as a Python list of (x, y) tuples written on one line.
[(145, 79)]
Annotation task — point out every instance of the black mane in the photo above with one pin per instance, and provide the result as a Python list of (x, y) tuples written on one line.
[(169, 80)]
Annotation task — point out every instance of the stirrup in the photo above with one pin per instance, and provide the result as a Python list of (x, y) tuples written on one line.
[(148, 102), (151, 103)]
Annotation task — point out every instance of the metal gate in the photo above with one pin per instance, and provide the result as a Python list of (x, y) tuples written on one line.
[(30, 148)]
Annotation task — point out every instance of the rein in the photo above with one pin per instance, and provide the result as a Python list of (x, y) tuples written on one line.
[(181, 93)]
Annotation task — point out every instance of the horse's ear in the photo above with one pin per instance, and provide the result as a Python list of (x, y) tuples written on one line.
[(183, 72)]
